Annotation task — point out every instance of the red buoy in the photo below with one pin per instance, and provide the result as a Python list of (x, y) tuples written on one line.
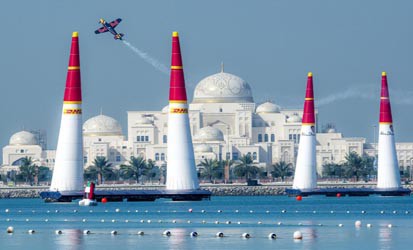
[(338, 195), (104, 200), (298, 197)]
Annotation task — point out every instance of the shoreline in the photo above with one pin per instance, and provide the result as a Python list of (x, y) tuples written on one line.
[(274, 189)]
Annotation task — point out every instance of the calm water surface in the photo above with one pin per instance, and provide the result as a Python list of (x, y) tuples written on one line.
[(316, 217)]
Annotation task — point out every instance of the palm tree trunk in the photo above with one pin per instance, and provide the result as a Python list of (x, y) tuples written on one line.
[(100, 178)]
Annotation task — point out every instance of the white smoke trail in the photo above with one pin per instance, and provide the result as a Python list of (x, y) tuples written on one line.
[(145, 56)]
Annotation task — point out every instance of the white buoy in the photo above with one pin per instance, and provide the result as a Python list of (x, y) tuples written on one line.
[(46, 220), (251, 211), (174, 221), (267, 212), (259, 222), (314, 212), (283, 211), (149, 221), (113, 221), (84, 220), (228, 222), (167, 233), (140, 233), (298, 235), (357, 223), (114, 232), (368, 225), (203, 222), (202, 211), (106, 211), (58, 232), (395, 212), (6, 210), (216, 222), (102, 220), (300, 224), (193, 234), (48, 211), (147, 211), (136, 211), (382, 212), (320, 225), (27, 220), (239, 222), (340, 225), (363, 212), (246, 235), (8, 219), (347, 211), (86, 232), (272, 236), (331, 212), (75, 211), (190, 210), (237, 211), (279, 223), (189, 222), (219, 234), (219, 211), (126, 221), (117, 210), (407, 212), (56, 211), (142, 221), (160, 221), (390, 226), (10, 230), (31, 231)]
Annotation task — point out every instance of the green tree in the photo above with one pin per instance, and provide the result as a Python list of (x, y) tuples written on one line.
[(101, 169), (135, 168), (282, 169), (245, 167), (28, 170), (333, 170), (358, 167), (209, 168)]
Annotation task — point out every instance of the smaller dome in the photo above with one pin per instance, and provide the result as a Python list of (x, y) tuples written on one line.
[(203, 148), (294, 118), (101, 125), (165, 109), (23, 138), (268, 107), (209, 133), (331, 130), (143, 120)]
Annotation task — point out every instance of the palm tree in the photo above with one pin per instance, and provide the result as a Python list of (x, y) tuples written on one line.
[(357, 166), (209, 169), (227, 164), (245, 167), (100, 168), (282, 169), (137, 166), (28, 169), (333, 170)]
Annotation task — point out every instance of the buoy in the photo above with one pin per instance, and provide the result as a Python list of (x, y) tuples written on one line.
[(27, 219), (75, 211), (237, 211), (272, 236), (298, 197), (338, 195), (113, 221), (239, 222), (142, 221), (340, 225), (136, 211), (102, 220), (90, 211), (149, 221), (320, 225), (84, 220), (104, 200), (117, 210), (8, 219), (202, 211), (283, 211), (31, 231), (219, 211), (357, 223), (279, 223), (220, 234), (259, 223), (314, 212), (228, 222), (114, 232), (167, 233), (86, 232), (189, 222), (56, 211), (251, 211), (246, 235), (140, 233), (407, 212), (216, 222), (58, 232), (331, 212), (267, 212), (46, 220), (174, 221), (126, 221), (390, 226), (347, 211), (298, 235), (363, 212), (193, 234), (48, 211), (190, 210), (395, 212), (382, 212), (203, 222), (368, 225), (106, 211), (160, 221), (300, 224), (10, 230)]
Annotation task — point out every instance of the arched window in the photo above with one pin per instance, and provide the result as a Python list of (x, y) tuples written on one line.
[(165, 139), (162, 157), (259, 137), (266, 137), (157, 157), (254, 156), (272, 138)]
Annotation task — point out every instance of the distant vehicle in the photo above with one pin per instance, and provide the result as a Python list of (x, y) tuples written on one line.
[(110, 27)]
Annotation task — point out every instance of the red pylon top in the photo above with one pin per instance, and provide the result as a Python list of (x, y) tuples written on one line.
[(385, 109), (73, 91), (177, 91), (308, 114)]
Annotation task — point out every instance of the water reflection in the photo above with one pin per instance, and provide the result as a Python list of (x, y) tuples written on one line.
[(385, 238), (72, 238)]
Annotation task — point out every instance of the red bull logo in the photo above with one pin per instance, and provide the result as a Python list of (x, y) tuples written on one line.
[(178, 111), (72, 111)]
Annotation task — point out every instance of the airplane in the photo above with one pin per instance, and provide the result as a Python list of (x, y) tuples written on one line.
[(110, 27)]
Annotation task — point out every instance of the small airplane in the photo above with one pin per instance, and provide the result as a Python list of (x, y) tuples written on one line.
[(110, 27)]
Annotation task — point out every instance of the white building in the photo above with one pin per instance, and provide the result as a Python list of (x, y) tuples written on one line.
[(225, 122)]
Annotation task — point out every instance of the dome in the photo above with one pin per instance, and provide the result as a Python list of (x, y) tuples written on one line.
[(222, 88), (23, 138), (331, 130), (101, 125), (294, 118), (143, 120), (165, 109), (268, 107), (202, 148), (209, 133)]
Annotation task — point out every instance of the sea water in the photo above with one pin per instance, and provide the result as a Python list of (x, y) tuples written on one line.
[(317, 217)]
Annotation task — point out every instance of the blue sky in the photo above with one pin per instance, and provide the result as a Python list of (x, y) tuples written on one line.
[(271, 44)]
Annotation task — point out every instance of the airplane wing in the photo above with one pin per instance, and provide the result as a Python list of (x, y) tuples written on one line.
[(101, 30), (115, 22)]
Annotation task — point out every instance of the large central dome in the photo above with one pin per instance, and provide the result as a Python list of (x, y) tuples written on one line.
[(102, 125), (222, 88)]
